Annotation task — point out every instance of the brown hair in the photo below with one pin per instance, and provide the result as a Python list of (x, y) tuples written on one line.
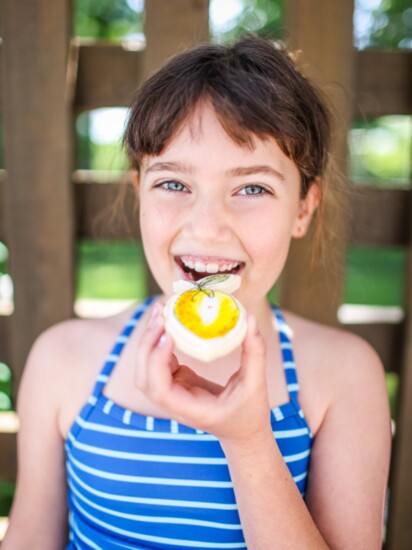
[(255, 90)]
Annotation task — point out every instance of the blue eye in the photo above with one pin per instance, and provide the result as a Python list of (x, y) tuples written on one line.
[(172, 186), (253, 190)]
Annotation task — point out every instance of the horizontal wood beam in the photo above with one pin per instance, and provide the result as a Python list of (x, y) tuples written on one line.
[(383, 83), (8, 457), (379, 216), (108, 75), (106, 211)]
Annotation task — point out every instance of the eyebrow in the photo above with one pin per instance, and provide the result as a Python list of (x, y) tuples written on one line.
[(175, 166), (233, 172)]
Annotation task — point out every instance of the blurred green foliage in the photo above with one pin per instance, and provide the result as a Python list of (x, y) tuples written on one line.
[(110, 270), (108, 19), (383, 24), (380, 150)]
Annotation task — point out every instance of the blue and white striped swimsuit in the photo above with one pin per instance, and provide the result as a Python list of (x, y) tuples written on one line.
[(140, 482)]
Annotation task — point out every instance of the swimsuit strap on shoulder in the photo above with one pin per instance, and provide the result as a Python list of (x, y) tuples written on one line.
[(113, 357), (285, 335)]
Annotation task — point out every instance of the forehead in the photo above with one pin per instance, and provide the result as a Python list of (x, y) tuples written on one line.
[(202, 140)]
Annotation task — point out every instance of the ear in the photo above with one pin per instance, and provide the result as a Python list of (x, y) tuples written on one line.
[(307, 208)]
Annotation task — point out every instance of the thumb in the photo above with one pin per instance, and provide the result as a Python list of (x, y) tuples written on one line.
[(253, 359)]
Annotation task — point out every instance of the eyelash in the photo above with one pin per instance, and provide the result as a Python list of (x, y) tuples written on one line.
[(163, 183), (263, 190), (254, 195)]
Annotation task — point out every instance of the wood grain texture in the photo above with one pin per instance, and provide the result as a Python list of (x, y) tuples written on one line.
[(8, 457), (322, 32), (37, 193)]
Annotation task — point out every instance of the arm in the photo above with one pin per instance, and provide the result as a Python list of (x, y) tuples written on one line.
[(348, 472), (346, 486), (39, 511)]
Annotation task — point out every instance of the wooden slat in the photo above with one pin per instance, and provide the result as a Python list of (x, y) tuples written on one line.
[(386, 339), (8, 457), (3, 237), (380, 216), (5, 355), (383, 83), (171, 27), (323, 32), (37, 198), (400, 525), (108, 75), (105, 211)]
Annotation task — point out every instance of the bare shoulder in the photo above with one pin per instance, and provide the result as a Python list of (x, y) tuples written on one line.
[(67, 358), (333, 364)]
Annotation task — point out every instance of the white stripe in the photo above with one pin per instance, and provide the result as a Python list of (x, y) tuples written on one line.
[(102, 378), (174, 427), (152, 480), (143, 434), (296, 457), (162, 540), (122, 339), (132, 322), (147, 457), (282, 434), (285, 345), (157, 519), (300, 477), (150, 501), (278, 413), (149, 423), (127, 415), (112, 357), (92, 400), (107, 406), (82, 537), (289, 365), (293, 387)]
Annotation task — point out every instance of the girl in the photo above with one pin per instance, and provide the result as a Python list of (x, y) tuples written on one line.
[(283, 443)]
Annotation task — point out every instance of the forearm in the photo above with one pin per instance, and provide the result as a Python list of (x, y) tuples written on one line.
[(272, 511)]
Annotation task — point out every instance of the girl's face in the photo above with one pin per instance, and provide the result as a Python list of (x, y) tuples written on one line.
[(208, 204)]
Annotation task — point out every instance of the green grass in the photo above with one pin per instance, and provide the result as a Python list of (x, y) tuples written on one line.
[(6, 497), (375, 276), (110, 270)]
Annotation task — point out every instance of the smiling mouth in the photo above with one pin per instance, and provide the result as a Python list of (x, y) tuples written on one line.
[(195, 270)]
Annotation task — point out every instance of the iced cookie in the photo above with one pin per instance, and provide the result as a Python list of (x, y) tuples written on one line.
[(204, 320)]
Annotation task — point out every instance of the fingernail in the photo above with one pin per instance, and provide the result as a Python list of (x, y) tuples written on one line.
[(162, 340)]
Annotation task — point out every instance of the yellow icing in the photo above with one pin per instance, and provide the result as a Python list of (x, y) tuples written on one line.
[(207, 314)]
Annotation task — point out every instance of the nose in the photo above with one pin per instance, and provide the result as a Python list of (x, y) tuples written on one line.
[(208, 221)]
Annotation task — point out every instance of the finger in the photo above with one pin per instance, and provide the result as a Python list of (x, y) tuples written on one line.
[(253, 358), (187, 378), (148, 341)]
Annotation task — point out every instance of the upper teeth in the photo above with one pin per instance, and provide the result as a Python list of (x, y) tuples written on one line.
[(210, 267)]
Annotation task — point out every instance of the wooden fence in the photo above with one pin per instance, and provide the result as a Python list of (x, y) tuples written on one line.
[(47, 78)]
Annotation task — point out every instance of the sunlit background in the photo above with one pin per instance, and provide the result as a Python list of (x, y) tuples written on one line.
[(110, 274)]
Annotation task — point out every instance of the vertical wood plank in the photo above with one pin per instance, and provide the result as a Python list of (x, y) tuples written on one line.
[(400, 504), (170, 27), (37, 194), (322, 33)]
